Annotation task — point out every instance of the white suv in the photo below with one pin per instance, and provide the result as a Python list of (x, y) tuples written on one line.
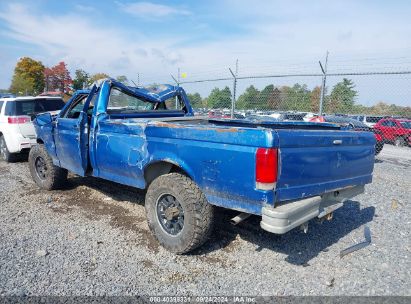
[(17, 132)]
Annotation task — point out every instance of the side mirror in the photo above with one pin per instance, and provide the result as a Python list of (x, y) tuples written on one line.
[(44, 119)]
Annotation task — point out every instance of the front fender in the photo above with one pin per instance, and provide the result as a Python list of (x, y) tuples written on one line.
[(45, 135)]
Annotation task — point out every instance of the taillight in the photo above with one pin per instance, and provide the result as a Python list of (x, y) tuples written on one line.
[(18, 119), (266, 168)]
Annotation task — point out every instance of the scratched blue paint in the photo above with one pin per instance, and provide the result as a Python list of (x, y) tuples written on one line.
[(218, 155)]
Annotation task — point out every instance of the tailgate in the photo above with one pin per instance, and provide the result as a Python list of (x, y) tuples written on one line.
[(313, 162)]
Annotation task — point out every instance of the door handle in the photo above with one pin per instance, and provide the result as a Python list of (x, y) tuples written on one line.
[(337, 142)]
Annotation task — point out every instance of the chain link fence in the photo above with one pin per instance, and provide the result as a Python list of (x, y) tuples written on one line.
[(380, 100)]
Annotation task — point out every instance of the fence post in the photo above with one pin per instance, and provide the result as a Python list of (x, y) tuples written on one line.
[(234, 87), (324, 80)]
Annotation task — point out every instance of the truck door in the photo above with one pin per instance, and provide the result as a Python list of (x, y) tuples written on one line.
[(72, 135)]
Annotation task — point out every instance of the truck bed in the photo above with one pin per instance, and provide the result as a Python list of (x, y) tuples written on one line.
[(220, 155)]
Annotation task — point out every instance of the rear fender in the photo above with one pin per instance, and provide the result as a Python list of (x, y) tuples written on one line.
[(172, 159)]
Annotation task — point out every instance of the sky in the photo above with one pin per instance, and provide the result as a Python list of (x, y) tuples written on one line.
[(150, 41)]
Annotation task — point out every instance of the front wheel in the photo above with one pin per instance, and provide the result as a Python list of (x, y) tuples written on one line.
[(45, 174), (178, 213)]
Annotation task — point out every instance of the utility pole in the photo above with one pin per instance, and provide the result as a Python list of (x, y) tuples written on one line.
[(324, 70), (138, 79)]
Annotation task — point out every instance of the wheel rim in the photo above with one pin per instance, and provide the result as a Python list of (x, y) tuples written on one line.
[(3, 149), (170, 214), (41, 168)]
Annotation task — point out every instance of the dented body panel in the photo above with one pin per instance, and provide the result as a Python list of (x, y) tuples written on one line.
[(219, 156)]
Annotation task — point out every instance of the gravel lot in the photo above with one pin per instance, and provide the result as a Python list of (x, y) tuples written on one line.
[(92, 239)]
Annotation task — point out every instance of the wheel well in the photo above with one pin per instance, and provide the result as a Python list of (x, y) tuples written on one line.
[(154, 170)]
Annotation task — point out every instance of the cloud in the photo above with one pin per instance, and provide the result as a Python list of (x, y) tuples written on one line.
[(84, 8), (82, 44), (151, 10), (169, 57), (282, 38)]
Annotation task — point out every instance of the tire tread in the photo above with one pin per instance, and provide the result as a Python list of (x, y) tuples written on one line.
[(202, 227)]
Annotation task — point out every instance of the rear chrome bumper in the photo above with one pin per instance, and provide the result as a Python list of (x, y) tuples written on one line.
[(289, 215)]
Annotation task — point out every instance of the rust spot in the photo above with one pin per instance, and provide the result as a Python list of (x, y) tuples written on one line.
[(168, 125), (232, 130), (197, 128)]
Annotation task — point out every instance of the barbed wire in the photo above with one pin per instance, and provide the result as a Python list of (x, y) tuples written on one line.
[(300, 75)]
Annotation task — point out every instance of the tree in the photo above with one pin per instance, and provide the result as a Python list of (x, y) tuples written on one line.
[(220, 98), (28, 77), (22, 85), (297, 98), (123, 79), (342, 97), (249, 99), (98, 76), (58, 78), (315, 97), (81, 80), (195, 100)]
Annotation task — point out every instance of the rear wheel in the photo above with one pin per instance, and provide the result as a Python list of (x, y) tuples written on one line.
[(46, 175), (178, 213), (399, 142), (5, 155)]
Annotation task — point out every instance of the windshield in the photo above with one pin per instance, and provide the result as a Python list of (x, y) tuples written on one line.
[(33, 106), (406, 124), (120, 102)]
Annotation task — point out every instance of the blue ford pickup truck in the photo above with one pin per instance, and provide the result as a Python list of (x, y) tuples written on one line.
[(147, 137)]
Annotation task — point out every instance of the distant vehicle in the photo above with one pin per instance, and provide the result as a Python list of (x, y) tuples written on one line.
[(218, 114), (368, 120), (52, 94), (290, 116), (261, 118), (352, 124), (7, 95), (17, 132), (396, 131)]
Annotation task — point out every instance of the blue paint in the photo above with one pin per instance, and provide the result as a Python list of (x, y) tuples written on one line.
[(219, 155)]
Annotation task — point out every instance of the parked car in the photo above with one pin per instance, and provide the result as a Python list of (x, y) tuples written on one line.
[(51, 94), (17, 132), (369, 120), (352, 124), (285, 172), (396, 131), (7, 95)]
